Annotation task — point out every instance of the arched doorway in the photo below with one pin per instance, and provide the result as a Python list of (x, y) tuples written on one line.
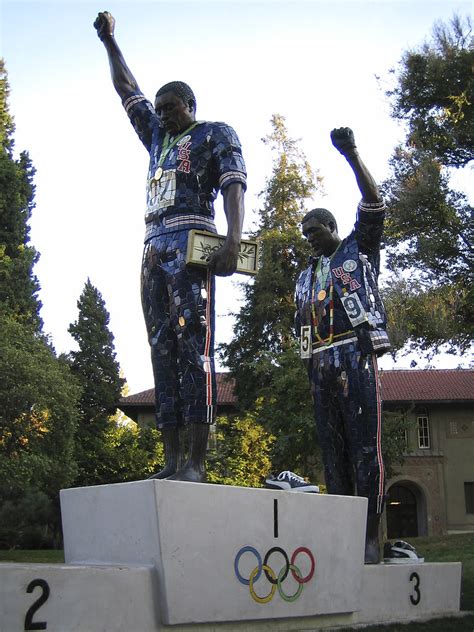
[(406, 511)]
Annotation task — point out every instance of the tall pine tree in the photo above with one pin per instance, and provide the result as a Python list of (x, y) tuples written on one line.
[(263, 355), (18, 285), (98, 373), (37, 393)]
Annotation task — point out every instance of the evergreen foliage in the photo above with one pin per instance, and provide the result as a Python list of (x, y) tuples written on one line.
[(95, 366), (263, 355), (7, 126), (428, 231), (37, 393), (130, 453), (242, 453), (264, 325), (434, 92), (18, 285), (37, 423)]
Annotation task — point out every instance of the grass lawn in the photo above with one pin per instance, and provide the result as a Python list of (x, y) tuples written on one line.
[(32, 557), (453, 548)]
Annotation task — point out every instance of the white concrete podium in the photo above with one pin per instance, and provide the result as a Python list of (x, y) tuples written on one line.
[(155, 555), (206, 540)]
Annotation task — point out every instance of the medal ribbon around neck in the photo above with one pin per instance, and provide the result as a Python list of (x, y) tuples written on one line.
[(321, 296), (167, 147), (322, 273)]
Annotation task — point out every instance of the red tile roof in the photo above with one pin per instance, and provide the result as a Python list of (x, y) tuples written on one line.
[(142, 398), (429, 385), (447, 385), (225, 394), (225, 389)]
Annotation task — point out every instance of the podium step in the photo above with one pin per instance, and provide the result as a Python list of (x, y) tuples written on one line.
[(69, 598), (395, 593)]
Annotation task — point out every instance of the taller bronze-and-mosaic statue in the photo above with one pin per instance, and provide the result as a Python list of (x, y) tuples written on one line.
[(342, 327), (190, 161)]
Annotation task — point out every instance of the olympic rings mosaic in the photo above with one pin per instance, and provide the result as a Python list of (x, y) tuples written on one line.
[(275, 579)]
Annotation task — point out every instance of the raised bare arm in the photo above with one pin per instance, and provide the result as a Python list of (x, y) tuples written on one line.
[(343, 140), (122, 78)]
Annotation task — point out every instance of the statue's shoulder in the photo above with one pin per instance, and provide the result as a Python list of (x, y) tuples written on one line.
[(222, 129), (218, 124)]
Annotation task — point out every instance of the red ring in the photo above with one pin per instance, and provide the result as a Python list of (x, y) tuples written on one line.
[(303, 580)]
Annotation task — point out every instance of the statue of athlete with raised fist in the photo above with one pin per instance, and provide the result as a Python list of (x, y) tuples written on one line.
[(190, 161), (341, 322)]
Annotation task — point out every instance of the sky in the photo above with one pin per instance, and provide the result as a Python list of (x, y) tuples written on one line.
[(314, 62)]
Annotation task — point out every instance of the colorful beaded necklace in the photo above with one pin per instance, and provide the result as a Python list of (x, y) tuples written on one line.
[(321, 273)]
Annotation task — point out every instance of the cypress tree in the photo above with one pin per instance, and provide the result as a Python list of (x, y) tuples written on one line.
[(98, 373), (263, 355), (18, 285)]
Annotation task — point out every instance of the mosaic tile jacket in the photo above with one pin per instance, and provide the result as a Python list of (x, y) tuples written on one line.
[(204, 160), (354, 270)]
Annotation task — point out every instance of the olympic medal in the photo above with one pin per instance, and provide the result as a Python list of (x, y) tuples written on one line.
[(321, 295), (182, 322), (158, 174)]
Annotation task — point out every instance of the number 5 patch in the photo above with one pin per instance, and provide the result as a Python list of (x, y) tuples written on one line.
[(354, 309), (305, 342)]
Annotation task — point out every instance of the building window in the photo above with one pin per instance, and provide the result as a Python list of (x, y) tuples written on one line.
[(423, 432), (469, 496)]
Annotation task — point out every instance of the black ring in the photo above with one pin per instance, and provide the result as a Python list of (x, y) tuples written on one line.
[(276, 549)]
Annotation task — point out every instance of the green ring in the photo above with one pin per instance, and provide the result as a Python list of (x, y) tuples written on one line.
[(299, 590)]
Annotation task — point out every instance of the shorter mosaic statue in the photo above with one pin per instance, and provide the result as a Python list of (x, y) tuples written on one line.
[(341, 323)]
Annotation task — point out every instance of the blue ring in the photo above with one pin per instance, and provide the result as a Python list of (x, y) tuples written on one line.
[(247, 549)]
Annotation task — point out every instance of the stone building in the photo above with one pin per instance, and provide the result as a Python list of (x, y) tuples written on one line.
[(433, 490)]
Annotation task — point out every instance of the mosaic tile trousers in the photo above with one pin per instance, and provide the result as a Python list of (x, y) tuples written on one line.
[(178, 305), (347, 408)]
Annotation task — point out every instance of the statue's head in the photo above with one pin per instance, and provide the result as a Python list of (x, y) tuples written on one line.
[(175, 105), (320, 229)]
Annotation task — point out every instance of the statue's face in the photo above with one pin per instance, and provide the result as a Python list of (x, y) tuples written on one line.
[(175, 116), (323, 239)]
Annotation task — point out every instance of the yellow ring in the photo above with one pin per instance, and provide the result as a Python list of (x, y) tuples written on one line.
[(255, 597)]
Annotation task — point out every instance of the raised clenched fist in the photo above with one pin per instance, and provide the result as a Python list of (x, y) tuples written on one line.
[(343, 140), (104, 24)]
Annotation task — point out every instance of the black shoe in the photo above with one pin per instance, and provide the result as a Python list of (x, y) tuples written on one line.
[(400, 552), (290, 482)]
